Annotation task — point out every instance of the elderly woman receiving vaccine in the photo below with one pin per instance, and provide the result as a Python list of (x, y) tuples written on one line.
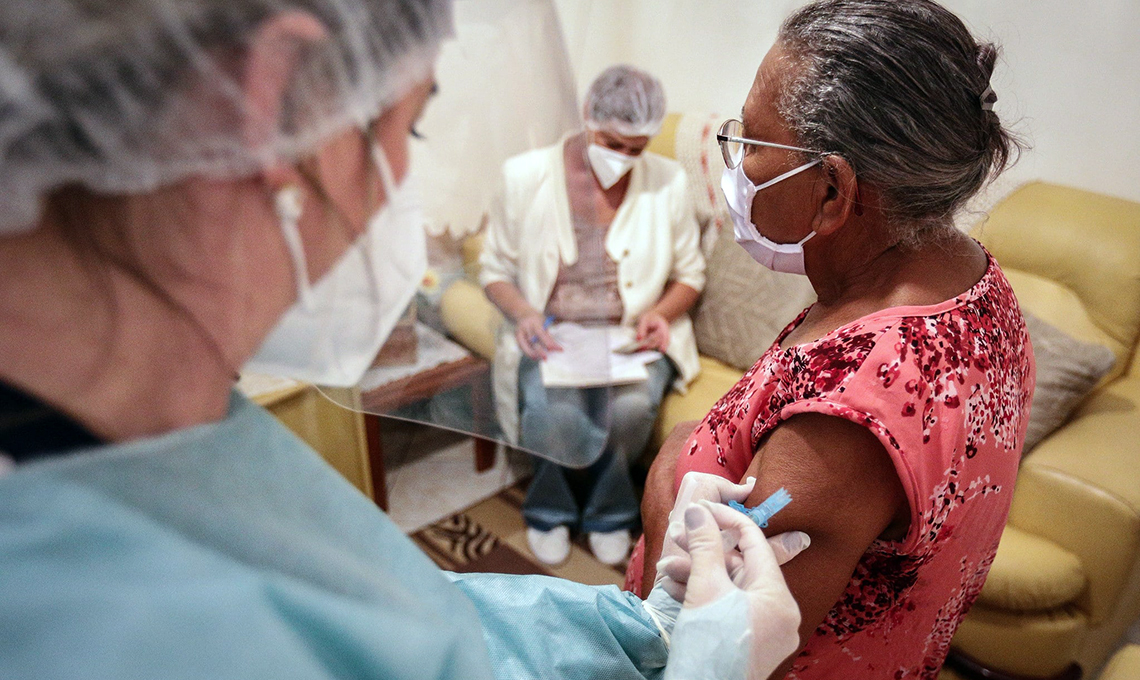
[(893, 409)]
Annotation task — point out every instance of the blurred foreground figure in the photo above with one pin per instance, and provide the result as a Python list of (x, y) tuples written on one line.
[(189, 188)]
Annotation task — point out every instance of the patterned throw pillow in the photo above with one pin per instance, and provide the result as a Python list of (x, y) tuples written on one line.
[(1067, 370), (744, 305)]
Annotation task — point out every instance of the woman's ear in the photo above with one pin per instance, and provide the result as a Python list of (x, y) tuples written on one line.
[(838, 195), (271, 59)]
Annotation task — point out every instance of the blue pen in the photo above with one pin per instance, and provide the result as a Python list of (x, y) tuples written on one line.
[(546, 324), (763, 512)]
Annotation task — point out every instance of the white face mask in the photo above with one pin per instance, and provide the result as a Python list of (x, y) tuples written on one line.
[(334, 330), (609, 165), (739, 191)]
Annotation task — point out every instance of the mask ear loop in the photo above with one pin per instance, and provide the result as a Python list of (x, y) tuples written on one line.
[(387, 177), (289, 207), (388, 182)]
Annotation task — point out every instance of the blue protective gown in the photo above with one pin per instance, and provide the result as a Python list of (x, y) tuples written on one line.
[(232, 550)]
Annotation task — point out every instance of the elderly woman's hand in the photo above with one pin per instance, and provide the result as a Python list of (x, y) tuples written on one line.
[(533, 338), (653, 331)]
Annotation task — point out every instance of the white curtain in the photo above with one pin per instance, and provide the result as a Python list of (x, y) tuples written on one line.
[(505, 86)]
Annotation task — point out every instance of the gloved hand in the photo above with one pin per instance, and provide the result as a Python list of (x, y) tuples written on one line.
[(731, 628), (664, 601)]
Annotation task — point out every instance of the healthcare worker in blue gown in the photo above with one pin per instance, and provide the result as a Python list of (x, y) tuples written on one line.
[(190, 188)]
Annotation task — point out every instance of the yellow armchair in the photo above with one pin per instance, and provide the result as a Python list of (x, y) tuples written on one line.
[(1065, 585)]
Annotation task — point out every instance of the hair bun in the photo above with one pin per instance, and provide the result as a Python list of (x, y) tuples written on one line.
[(986, 60)]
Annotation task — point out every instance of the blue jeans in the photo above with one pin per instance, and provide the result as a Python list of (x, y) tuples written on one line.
[(611, 424)]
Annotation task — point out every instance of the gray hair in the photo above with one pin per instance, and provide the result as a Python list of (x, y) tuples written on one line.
[(627, 101), (899, 89)]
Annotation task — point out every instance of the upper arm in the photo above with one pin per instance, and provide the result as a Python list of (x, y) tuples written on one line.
[(845, 494), (499, 258)]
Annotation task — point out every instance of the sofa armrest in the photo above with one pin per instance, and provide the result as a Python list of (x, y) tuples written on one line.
[(470, 317), (706, 389), (1080, 488)]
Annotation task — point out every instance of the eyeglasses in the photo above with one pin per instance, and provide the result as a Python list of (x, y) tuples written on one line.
[(732, 143)]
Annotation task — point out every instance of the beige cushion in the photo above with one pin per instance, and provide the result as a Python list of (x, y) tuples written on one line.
[(1067, 370), (1125, 665), (1031, 573), (470, 317), (471, 248), (744, 305), (1034, 645), (1061, 308)]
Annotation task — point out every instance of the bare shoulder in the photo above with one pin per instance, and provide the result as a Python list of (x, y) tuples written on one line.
[(845, 495), (844, 483)]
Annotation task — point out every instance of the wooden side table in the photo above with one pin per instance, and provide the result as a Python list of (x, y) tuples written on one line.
[(470, 370), (337, 433)]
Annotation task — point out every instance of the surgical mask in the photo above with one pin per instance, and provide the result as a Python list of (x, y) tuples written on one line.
[(739, 191), (609, 165), (334, 330)]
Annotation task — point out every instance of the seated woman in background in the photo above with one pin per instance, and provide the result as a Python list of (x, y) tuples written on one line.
[(894, 409), (593, 230)]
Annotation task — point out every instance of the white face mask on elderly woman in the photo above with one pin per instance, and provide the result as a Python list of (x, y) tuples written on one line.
[(609, 165), (334, 330), (739, 191)]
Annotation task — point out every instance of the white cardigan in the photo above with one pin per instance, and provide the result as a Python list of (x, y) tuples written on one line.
[(654, 238)]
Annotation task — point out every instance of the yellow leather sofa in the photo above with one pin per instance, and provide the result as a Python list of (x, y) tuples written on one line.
[(1065, 584), (1125, 665)]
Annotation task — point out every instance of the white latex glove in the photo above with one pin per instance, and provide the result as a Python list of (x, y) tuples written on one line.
[(664, 601), (731, 629)]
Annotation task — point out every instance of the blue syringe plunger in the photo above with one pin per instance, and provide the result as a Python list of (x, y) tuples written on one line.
[(764, 512)]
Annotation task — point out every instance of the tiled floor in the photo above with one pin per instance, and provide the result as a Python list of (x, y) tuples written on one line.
[(431, 473)]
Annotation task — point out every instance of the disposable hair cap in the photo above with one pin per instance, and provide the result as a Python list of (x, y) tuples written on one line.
[(124, 96), (626, 101)]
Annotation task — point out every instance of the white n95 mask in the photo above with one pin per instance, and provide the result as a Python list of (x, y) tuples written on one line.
[(739, 191), (609, 165), (334, 330)]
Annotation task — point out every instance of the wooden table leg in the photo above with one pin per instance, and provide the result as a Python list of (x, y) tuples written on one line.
[(376, 460), (482, 411), (484, 454)]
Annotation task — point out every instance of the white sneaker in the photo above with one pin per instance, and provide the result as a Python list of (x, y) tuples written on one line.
[(610, 547), (550, 547)]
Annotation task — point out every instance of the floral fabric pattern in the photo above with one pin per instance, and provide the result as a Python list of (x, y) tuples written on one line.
[(946, 389)]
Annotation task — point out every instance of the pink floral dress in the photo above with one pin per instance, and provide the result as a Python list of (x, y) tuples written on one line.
[(946, 389)]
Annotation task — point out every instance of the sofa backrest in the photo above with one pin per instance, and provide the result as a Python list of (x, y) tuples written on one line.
[(1073, 258), (690, 139)]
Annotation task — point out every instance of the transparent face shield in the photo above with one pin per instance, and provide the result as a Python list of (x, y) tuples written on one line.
[(522, 335)]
